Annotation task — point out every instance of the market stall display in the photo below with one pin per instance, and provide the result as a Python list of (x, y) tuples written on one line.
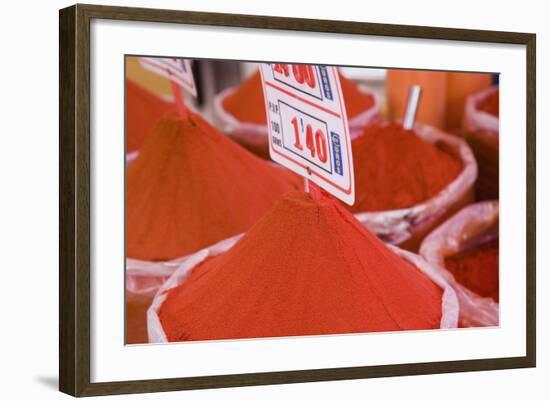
[(224, 244)]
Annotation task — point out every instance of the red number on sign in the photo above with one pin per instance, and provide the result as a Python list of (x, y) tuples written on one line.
[(310, 76), (317, 144), (309, 140), (304, 74), (297, 143), (321, 144), (298, 73), (281, 69)]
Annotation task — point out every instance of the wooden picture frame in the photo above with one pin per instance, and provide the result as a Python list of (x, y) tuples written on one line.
[(75, 208)]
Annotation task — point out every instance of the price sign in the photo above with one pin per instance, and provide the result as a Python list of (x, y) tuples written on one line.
[(177, 70), (308, 129)]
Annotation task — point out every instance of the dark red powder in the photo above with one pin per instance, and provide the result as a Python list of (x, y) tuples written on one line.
[(247, 103), (306, 268), (490, 104), (477, 269), (395, 169), (191, 187), (143, 111)]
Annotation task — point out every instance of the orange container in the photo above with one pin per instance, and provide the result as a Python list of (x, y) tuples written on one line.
[(432, 104), (460, 85)]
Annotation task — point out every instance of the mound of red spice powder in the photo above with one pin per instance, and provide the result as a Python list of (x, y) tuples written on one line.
[(143, 111), (306, 268), (191, 187), (490, 104), (477, 269), (247, 103), (395, 169)]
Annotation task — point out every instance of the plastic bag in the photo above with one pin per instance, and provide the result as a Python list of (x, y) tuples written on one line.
[(143, 279), (469, 227), (407, 227), (449, 301), (476, 120), (481, 131), (255, 136)]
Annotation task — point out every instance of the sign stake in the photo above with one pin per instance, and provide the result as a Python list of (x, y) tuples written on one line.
[(180, 101), (412, 106)]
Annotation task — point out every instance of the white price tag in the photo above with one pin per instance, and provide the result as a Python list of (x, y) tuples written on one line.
[(175, 69), (308, 128)]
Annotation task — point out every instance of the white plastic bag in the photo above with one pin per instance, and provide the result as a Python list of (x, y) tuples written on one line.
[(476, 120), (469, 226), (143, 279), (143, 276), (409, 225), (449, 301), (255, 136), (481, 131)]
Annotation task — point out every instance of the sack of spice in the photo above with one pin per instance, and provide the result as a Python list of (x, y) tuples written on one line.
[(189, 188), (306, 268), (240, 112), (408, 181), (465, 250), (481, 131)]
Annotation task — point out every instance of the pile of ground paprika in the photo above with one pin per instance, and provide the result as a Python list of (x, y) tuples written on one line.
[(191, 187), (477, 269), (247, 102), (306, 268), (395, 169), (143, 111)]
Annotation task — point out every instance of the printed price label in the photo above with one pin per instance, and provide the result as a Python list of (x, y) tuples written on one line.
[(308, 128), (175, 69)]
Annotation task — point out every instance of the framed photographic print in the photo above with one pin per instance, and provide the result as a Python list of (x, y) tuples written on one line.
[(250, 200)]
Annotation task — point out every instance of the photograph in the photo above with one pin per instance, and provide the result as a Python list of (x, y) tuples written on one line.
[(268, 199), (251, 200)]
